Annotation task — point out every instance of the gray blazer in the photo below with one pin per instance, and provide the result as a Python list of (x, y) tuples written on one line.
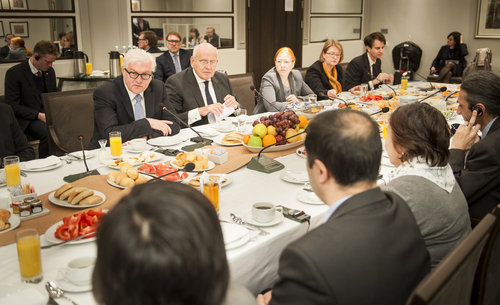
[(17, 54), (273, 96)]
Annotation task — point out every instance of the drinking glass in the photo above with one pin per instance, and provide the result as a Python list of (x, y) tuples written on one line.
[(115, 143), (242, 120), (12, 170), (312, 98), (210, 187), (88, 67), (404, 82), (29, 255), (364, 89), (103, 155)]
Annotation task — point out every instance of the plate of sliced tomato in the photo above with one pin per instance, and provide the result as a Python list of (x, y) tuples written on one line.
[(75, 225), (371, 97), (161, 169)]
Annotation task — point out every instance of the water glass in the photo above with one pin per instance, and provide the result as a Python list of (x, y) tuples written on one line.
[(12, 170), (312, 98), (115, 143), (29, 255), (242, 119), (364, 89)]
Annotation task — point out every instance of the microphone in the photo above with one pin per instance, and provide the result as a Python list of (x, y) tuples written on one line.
[(187, 168), (80, 137), (395, 93), (345, 103), (74, 177), (425, 78), (442, 89), (199, 138), (263, 98), (450, 94), (281, 141), (383, 110)]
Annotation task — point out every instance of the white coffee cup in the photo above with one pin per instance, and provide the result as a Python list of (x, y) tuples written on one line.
[(224, 124), (4, 200), (264, 211), (79, 270), (407, 99), (138, 144)]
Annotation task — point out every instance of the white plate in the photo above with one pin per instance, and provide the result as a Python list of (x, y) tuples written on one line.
[(274, 148), (228, 178), (136, 160), (67, 286), (300, 151), (308, 197), (50, 237), (300, 177), (278, 218), (129, 148), (123, 187), (230, 230), (42, 169), (232, 128), (165, 141), (79, 155), (210, 132), (14, 221), (218, 141), (64, 203), (211, 165), (22, 293)]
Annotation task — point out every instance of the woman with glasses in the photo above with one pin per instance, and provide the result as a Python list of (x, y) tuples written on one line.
[(325, 76), (281, 85)]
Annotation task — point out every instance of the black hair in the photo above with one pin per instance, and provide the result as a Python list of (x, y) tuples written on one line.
[(348, 143), (370, 38), (151, 37), (483, 87), (161, 244), (456, 38)]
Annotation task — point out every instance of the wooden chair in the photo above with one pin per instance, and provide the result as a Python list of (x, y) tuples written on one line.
[(451, 281), (241, 84), (486, 290), (69, 114)]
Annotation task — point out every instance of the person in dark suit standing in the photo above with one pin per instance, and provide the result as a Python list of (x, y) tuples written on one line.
[(199, 93), (174, 60), (355, 256), (366, 68), (4, 51), (148, 41), (133, 103), (13, 142), (139, 25), (476, 161), (211, 37), (24, 85)]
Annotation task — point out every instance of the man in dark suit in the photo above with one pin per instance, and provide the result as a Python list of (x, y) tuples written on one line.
[(148, 41), (476, 161), (366, 68), (211, 37), (369, 249), (174, 60), (198, 94), (133, 103), (24, 84), (4, 51), (12, 139), (139, 25)]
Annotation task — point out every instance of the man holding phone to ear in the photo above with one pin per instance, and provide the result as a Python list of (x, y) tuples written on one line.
[(24, 85), (476, 160)]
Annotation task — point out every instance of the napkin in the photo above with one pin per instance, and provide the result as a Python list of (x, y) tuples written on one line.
[(232, 232), (226, 111), (28, 296), (41, 163)]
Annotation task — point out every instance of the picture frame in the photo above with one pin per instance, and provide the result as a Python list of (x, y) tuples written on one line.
[(20, 5), (136, 6), (20, 29), (488, 19), (2, 32)]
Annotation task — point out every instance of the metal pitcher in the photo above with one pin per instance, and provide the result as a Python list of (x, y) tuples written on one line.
[(80, 60), (114, 64)]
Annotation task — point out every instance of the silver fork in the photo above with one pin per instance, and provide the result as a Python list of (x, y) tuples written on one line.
[(240, 221)]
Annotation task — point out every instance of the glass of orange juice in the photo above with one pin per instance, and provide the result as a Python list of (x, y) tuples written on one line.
[(12, 170), (404, 82), (210, 187), (29, 255), (115, 143)]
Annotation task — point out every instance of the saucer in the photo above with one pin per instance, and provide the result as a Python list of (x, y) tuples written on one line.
[(278, 218), (227, 130), (67, 286), (308, 197), (298, 177)]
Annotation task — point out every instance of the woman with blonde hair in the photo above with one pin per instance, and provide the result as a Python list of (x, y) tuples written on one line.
[(68, 45), (325, 76), (281, 84), (17, 50)]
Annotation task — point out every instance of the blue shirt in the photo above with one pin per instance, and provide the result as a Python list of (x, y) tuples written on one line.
[(334, 207), (487, 128)]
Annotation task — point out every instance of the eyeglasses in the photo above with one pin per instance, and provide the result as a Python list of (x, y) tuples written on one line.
[(141, 39), (134, 75), (204, 62), (173, 41), (333, 54)]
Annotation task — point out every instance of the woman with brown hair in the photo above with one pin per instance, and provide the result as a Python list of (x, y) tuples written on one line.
[(417, 144), (17, 50), (325, 76)]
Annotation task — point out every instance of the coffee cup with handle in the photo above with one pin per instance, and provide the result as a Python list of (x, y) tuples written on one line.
[(264, 212), (79, 270)]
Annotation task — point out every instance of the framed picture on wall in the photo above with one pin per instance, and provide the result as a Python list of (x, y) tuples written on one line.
[(136, 6), (18, 5), (2, 32), (20, 29), (488, 19)]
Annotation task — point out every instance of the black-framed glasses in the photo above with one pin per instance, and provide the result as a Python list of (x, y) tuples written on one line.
[(134, 75), (174, 41)]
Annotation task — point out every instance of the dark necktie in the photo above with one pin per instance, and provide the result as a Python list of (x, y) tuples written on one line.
[(373, 71), (207, 93), (38, 74)]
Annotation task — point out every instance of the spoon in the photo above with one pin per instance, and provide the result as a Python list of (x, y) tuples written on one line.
[(240, 221), (56, 292)]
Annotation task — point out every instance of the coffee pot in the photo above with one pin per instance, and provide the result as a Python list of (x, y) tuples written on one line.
[(114, 64), (80, 60)]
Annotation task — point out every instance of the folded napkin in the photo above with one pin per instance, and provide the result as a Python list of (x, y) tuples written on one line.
[(232, 232), (226, 111), (41, 163), (208, 132), (28, 296)]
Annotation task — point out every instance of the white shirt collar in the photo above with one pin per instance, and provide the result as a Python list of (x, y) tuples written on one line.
[(132, 94), (370, 61), (199, 79), (32, 68)]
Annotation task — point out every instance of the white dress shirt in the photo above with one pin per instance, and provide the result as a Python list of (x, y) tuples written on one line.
[(194, 114), (132, 95)]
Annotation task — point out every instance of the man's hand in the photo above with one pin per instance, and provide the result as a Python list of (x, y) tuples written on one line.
[(332, 93), (355, 88), (41, 117), (292, 98), (385, 78), (466, 134), (213, 108), (160, 125), (230, 101), (433, 70), (265, 299)]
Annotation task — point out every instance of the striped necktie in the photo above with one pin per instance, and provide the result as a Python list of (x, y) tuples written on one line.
[(138, 109), (177, 64)]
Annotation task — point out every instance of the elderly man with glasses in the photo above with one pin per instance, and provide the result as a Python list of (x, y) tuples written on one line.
[(133, 103), (199, 93), (174, 60)]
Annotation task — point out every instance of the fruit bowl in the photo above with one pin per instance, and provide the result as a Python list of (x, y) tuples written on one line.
[(274, 148)]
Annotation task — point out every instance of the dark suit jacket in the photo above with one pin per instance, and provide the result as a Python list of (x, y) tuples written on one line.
[(12, 139), (21, 93), (165, 64), (4, 51), (358, 71), (154, 50), (478, 172), (370, 251), (317, 80), (215, 40), (114, 111), (446, 54), (184, 92)]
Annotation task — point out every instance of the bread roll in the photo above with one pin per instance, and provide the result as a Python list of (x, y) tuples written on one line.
[(66, 194), (62, 189), (4, 225), (124, 167), (91, 200), (119, 177), (127, 182), (112, 176), (141, 179), (75, 191), (132, 173), (82, 196), (4, 215)]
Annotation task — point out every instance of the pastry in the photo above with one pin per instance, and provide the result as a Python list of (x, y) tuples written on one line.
[(91, 200), (62, 189), (81, 196)]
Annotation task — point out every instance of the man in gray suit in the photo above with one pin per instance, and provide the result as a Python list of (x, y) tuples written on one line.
[(369, 249), (198, 93)]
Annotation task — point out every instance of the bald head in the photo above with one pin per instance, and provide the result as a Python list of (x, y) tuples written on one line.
[(204, 60)]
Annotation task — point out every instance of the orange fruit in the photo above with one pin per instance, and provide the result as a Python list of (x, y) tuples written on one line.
[(246, 138), (303, 121), (268, 140)]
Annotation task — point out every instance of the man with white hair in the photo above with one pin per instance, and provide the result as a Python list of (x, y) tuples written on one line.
[(199, 93), (133, 103)]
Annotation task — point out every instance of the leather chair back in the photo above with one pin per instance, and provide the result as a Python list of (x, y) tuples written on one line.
[(241, 84), (303, 72), (69, 114), (451, 281)]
